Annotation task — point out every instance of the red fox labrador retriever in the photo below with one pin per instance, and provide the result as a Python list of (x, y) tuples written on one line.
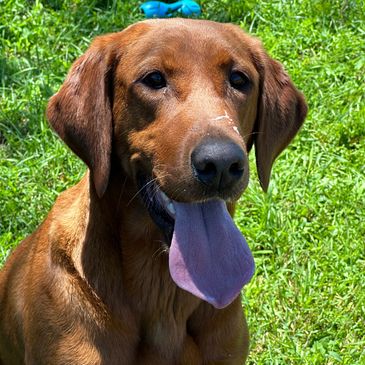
[(140, 262)]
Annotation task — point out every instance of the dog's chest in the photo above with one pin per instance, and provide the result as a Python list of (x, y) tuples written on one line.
[(163, 310), (163, 329)]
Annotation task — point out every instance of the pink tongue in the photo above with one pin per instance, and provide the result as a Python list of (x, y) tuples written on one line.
[(209, 257)]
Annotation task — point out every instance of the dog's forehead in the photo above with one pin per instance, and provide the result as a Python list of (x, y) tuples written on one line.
[(185, 39)]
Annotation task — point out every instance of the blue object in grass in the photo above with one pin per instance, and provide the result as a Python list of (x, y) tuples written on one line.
[(158, 9)]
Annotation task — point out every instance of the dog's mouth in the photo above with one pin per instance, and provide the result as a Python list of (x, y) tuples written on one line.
[(159, 205), (208, 255)]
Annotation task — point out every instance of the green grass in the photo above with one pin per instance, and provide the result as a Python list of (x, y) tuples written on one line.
[(306, 303)]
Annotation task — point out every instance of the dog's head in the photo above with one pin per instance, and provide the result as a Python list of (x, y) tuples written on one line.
[(179, 103)]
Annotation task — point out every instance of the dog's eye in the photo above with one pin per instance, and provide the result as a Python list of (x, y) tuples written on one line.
[(154, 80), (239, 80)]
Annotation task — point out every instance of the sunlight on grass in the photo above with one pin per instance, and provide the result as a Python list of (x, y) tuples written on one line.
[(306, 303)]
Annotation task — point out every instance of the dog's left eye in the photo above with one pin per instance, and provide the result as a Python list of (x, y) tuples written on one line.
[(155, 80), (239, 80)]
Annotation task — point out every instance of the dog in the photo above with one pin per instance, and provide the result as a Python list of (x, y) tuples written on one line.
[(140, 262)]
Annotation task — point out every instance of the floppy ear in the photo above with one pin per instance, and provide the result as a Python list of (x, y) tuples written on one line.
[(281, 112), (81, 112)]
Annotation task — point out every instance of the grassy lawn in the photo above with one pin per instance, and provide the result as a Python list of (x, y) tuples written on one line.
[(306, 303)]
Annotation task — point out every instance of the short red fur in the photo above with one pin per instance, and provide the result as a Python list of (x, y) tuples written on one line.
[(92, 285)]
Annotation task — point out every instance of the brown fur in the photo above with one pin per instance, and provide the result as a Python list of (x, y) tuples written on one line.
[(92, 285)]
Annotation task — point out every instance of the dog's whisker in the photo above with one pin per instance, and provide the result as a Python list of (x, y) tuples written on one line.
[(140, 190), (161, 250)]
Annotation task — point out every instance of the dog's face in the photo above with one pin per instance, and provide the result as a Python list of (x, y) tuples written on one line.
[(191, 97), (190, 102), (179, 104)]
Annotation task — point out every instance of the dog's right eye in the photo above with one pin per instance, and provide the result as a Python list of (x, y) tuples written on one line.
[(239, 81), (154, 80)]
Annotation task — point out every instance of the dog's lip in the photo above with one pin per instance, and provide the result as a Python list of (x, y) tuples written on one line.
[(167, 203), (152, 194), (159, 205)]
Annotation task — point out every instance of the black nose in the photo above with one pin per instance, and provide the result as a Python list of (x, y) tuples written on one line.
[(218, 164)]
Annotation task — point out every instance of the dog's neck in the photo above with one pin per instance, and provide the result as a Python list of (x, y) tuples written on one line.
[(115, 234), (122, 209)]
